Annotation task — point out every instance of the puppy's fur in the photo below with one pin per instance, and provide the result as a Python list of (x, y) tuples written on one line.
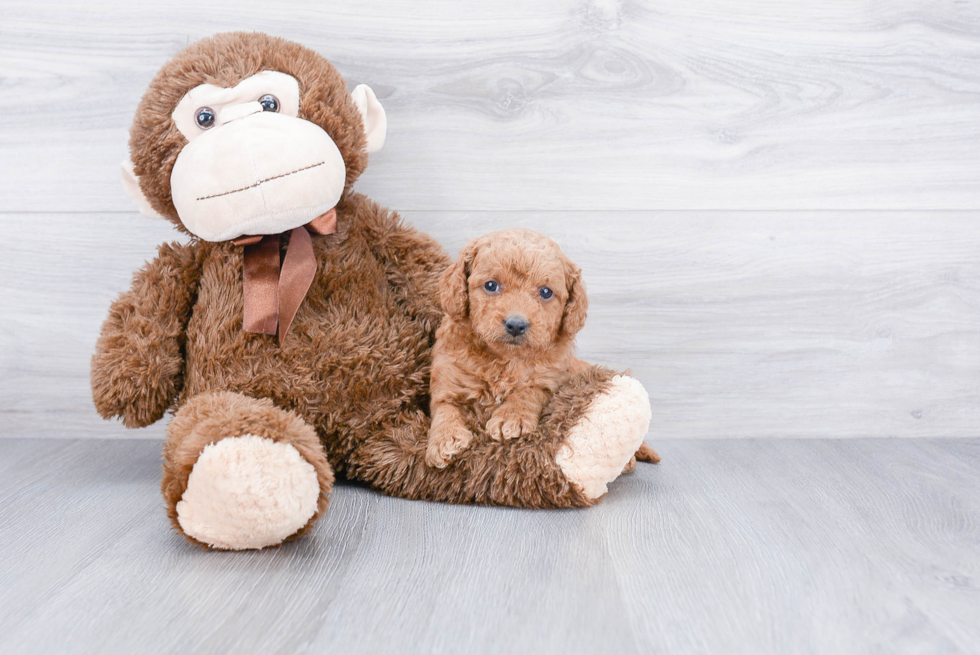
[(478, 367)]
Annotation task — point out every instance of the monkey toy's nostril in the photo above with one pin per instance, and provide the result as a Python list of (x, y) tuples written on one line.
[(516, 325)]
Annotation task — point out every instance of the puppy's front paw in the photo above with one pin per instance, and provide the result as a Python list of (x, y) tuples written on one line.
[(507, 423), (445, 444)]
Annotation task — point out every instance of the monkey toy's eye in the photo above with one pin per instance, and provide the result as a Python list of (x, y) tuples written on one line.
[(491, 286), (205, 118), (545, 293), (269, 103)]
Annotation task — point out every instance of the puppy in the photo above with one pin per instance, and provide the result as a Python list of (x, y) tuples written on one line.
[(513, 303)]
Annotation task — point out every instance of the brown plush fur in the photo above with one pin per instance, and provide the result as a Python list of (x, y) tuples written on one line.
[(478, 367), (354, 367)]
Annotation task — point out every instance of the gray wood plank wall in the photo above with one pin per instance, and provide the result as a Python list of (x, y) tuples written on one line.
[(775, 202)]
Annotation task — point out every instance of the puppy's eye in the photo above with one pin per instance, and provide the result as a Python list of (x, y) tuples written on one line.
[(545, 293), (490, 286), (205, 118)]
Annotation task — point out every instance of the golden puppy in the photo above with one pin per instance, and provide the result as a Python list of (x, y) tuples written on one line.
[(514, 302)]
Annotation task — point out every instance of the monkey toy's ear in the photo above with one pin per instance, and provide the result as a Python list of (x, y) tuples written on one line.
[(132, 185), (373, 115)]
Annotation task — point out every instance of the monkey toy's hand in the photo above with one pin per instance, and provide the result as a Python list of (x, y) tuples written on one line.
[(138, 364)]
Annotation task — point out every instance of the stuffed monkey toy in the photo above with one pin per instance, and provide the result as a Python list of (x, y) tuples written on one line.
[(291, 336)]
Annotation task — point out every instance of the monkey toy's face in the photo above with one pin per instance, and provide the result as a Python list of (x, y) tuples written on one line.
[(250, 154), (250, 165)]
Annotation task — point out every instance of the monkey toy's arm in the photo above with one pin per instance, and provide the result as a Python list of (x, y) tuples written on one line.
[(138, 366), (413, 262)]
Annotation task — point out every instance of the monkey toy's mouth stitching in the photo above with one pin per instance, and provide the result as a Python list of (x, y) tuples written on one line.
[(268, 179)]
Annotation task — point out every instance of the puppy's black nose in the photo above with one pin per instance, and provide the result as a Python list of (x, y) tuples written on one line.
[(516, 325)]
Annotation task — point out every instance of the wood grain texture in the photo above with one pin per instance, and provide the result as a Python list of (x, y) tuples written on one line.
[(738, 323), (560, 104), (580, 118), (751, 546)]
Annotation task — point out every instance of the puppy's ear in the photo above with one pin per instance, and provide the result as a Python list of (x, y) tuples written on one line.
[(577, 305), (454, 291)]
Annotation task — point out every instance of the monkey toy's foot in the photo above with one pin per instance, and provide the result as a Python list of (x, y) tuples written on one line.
[(603, 441), (241, 473), (247, 492)]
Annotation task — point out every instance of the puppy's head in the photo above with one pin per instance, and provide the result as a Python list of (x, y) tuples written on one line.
[(517, 290)]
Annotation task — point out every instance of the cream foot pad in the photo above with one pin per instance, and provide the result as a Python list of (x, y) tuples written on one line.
[(600, 445), (248, 492)]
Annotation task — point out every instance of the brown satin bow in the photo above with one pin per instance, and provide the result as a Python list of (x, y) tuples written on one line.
[(272, 297)]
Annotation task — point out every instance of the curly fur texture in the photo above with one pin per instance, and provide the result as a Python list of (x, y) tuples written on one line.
[(478, 366)]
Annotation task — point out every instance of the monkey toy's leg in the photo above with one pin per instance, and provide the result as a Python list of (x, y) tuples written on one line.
[(587, 435), (241, 473)]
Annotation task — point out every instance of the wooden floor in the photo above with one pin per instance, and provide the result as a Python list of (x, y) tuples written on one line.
[(728, 546)]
